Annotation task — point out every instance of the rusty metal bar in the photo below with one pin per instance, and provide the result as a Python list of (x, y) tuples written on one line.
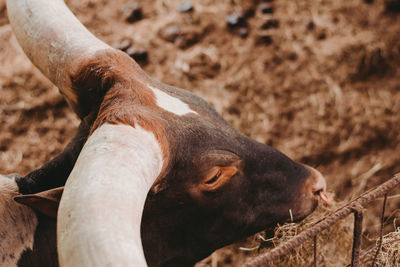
[(381, 233), (341, 213), (355, 256)]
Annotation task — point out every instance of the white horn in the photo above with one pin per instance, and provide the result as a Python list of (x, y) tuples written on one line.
[(100, 212), (53, 39), (101, 208)]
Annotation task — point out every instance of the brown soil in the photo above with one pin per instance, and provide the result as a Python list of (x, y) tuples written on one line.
[(322, 84)]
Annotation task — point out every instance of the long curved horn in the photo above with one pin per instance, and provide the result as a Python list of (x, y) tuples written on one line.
[(101, 208), (53, 39), (100, 212)]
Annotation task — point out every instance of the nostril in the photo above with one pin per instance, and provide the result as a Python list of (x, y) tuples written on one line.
[(318, 188), (317, 193)]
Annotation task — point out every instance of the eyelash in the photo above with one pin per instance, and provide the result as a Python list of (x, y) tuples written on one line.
[(212, 180)]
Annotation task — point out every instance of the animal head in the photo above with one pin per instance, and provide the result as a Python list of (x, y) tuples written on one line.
[(223, 187), (210, 184)]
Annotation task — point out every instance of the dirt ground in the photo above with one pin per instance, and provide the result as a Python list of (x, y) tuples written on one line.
[(318, 80)]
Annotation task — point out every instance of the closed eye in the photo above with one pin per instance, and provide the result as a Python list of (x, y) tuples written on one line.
[(218, 177), (214, 178)]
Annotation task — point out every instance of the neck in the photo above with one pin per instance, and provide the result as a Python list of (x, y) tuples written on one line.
[(44, 251), (118, 164)]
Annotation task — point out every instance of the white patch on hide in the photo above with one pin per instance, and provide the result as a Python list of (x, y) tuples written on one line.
[(17, 224), (170, 103), (101, 208)]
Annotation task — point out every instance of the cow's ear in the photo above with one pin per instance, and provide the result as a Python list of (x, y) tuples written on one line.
[(217, 177), (45, 202)]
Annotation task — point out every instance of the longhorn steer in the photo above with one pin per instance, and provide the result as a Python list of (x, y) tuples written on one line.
[(210, 184)]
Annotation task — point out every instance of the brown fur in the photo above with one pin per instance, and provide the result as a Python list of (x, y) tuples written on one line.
[(44, 202), (115, 85), (18, 224)]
